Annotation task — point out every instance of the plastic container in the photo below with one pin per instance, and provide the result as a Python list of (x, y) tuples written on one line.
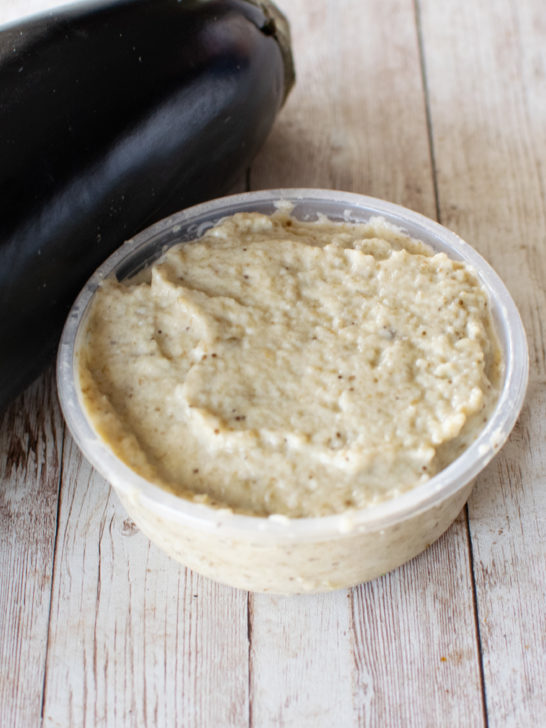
[(278, 554)]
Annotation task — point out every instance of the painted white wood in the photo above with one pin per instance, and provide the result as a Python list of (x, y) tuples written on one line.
[(31, 433), (129, 643), (415, 650), (357, 120), (135, 639), (486, 71), (508, 528), (301, 661)]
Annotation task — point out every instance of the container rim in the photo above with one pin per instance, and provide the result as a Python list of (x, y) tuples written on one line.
[(373, 518)]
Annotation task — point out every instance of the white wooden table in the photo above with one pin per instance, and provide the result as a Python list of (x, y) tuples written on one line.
[(439, 106)]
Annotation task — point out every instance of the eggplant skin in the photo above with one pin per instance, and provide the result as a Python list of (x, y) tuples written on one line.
[(112, 116)]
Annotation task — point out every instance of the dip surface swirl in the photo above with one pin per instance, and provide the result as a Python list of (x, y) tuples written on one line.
[(299, 368)]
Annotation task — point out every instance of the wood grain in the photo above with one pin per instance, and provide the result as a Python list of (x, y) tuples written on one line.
[(491, 171), (490, 155), (434, 678), (30, 454), (301, 661), (509, 544), (357, 120), (136, 639), (440, 107)]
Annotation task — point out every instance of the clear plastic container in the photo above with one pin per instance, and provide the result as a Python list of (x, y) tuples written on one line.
[(278, 554)]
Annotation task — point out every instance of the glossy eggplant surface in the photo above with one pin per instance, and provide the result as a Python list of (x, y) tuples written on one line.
[(112, 116)]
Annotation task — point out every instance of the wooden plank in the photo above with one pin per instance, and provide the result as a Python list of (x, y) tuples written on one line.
[(301, 662), (356, 118), (135, 639), (31, 435), (509, 545), (489, 62), (485, 72), (30, 454), (404, 646), (490, 155), (415, 660)]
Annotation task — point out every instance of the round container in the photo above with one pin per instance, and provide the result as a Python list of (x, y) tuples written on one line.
[(278, 554)]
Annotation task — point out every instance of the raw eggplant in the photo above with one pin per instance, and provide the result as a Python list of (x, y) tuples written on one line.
[(112, 116)]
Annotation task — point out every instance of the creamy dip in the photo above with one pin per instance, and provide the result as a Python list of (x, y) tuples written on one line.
[(299, 368)]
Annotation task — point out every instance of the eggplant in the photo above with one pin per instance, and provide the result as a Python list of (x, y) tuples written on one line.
[(113, 115)]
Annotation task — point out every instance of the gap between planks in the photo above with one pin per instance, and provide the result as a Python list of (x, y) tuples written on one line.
[(430, 133)]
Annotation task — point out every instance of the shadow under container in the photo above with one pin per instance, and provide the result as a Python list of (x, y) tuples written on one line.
[(278, 554)]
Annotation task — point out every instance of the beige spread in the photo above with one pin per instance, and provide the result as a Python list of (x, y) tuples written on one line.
[(296, 368)]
